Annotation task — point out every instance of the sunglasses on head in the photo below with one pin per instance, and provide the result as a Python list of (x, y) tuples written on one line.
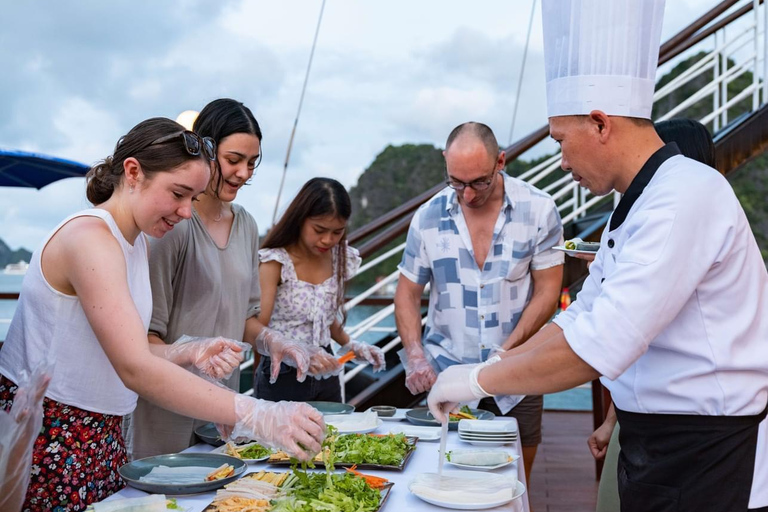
[(193, 143)]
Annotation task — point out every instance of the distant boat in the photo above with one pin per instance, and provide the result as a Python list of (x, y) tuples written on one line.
[(18, 269)]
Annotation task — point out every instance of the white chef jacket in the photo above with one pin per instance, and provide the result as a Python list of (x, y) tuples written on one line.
[(674, 312)]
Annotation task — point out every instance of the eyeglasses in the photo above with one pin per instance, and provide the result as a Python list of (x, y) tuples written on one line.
[(192, 143), (478, 185)]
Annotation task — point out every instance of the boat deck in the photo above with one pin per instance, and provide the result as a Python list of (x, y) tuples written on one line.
[(563, 476)]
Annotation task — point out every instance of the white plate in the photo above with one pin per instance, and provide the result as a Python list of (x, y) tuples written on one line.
[(487, 427), (222, 450), (352, 423), (477, 442), (572, 252), (519, 491), (398, 416), (488, 437), (483, 468), (423, 433), (486, 434)]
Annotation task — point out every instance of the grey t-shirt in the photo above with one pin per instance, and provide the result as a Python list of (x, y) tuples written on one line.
[(198, 289)]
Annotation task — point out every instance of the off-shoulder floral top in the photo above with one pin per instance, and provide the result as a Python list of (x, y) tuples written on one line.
[(304, 311)]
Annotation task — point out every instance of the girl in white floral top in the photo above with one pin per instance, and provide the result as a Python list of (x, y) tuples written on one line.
[(305, 261)]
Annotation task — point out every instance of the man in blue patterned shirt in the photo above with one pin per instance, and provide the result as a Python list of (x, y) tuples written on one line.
[(484, 244)]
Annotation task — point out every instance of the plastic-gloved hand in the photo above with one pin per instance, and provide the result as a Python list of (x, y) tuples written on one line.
[(454, 385), (18, 431), (323, 364), (215, 358), (294, 427), (282, 350), (365, 353), (419, 374)]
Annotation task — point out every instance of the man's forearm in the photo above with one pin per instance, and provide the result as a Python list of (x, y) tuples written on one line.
[(547, 367), (408, 321), (536, 314)]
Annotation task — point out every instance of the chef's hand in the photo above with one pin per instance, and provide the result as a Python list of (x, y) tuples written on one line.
[(598, 441), (216, 358), (282, 350), (294, 427), (589, 258), (365, 353), (456, 384), (419, 374), (323, 364)]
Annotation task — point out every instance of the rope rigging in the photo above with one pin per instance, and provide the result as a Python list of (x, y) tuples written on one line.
[(298, 113)]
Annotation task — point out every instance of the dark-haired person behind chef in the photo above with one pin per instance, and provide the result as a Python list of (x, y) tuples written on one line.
[(674, 313)]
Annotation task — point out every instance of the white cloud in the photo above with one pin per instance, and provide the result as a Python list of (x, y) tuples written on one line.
[(385, 72)]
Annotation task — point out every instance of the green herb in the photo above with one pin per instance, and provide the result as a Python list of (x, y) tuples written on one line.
[(255, 451), (448, 456), (389, 450), (347, 493)]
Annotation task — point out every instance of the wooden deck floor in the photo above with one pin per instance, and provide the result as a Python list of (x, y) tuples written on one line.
[(563, 476)]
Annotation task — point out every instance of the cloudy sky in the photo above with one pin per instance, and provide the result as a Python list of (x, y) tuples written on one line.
[(77, 75)]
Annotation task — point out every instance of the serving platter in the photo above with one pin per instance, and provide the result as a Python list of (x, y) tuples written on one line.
[(223, 450), (572, 252), (281, 459), (384, 495), (133, 471)]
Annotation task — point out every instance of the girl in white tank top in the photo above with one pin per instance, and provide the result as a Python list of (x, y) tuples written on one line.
[(86, 302)]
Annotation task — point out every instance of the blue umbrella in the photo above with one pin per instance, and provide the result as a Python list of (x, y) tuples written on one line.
[(22, 169)]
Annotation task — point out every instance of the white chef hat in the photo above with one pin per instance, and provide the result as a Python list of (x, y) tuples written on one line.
[(601, 55)]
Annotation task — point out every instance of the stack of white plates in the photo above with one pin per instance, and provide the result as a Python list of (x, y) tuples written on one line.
[(488, 433)]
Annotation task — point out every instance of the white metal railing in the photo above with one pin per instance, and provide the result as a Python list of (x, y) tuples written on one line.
[(741, 42)]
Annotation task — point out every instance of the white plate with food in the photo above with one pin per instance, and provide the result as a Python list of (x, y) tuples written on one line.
[(572, 252), (466, 490), (249, 452), (479, 459)]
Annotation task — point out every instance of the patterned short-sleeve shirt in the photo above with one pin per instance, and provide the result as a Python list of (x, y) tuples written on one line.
[(472, 309)]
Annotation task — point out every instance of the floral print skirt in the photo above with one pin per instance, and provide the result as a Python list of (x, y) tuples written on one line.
[(75, 458)]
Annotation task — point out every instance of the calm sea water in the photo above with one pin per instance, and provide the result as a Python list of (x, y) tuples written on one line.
[(574, 399), (8, 283)]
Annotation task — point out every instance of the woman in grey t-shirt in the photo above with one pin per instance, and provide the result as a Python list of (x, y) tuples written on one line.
[(205, 273)]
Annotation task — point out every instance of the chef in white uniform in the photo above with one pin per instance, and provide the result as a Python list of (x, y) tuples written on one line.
[(674, 314)]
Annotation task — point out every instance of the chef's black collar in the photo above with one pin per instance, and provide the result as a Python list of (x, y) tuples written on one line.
[(640, 181)]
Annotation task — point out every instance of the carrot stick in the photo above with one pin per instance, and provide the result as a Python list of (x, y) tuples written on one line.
[(347, 357)]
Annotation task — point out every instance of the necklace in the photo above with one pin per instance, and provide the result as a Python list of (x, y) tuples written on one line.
[(219, 216)]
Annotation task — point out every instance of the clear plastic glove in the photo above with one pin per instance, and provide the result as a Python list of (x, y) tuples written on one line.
[(365, 353), (323, 364), (18, 431), (213, 358), (282, 350), (294, 427), (456, 384), (419, 374)]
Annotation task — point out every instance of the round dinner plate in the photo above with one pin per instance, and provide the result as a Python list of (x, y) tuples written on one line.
[(398, 416), (424, 418), (208, 434), (223, 449), (572, 252), (332, 407), (133, 471), (345, 425), (495, 442), (472, 467), (519, 490)]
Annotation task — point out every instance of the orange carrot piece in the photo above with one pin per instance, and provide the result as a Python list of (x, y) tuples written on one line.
[(347, 357)]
